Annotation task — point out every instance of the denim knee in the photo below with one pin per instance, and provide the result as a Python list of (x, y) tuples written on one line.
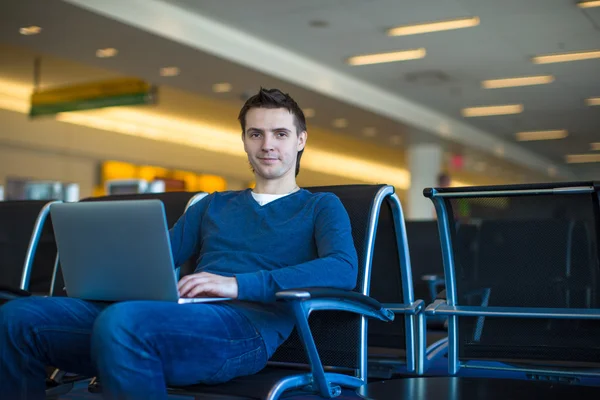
[(116, 327), (15, 315)]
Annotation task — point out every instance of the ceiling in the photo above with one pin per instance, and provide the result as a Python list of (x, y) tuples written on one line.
[(74, 34), (449, 77)]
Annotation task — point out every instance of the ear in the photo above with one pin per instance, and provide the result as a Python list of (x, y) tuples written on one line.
[(302, 137)]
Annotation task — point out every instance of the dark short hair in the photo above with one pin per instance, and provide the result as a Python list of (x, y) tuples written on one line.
[(275, 98)]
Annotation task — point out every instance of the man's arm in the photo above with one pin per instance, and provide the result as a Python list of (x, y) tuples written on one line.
[(335, 267), (186, 232)]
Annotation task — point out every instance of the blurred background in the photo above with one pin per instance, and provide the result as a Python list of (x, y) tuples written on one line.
[(120, 96)]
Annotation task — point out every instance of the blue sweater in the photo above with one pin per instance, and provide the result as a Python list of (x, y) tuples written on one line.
[(300, 240)]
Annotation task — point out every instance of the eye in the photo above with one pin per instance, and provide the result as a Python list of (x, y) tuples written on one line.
[(282, 134), (254, 135)]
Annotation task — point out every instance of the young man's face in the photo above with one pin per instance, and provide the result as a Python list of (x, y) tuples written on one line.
[(272, 143)]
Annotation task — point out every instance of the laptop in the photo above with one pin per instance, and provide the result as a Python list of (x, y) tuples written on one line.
[(117, 251)]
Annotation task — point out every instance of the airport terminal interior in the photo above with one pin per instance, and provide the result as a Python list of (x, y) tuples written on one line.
[(462, 137)]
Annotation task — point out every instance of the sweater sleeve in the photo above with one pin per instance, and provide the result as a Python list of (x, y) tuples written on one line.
[(185, 234), (335, 267)]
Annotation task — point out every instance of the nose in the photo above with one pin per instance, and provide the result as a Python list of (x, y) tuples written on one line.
[(267, 144)]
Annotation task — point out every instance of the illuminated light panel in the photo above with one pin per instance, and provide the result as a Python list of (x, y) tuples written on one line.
[(589, 4), (582, 158), (30, 30), (354, 168), (592, 101), (169, 71), (434, 26), (485, 111), (309, 112), (340, 123), (387, 57), (566, 57), (107, 53), (369, 131), (542, 135), (514, 82), (223, 87)]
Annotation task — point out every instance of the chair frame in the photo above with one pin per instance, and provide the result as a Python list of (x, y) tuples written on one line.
[(33, 244), (452, 310)]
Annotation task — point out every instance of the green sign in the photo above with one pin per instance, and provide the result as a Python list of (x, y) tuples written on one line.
[(89, 96)]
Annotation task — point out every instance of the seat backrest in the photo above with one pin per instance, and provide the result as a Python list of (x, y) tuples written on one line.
[(175, 204), (338, 335), (425, 255), (17, 223), (386, 282), (537, 247)]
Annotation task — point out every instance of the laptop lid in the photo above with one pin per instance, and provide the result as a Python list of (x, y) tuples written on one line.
[(115, 250)]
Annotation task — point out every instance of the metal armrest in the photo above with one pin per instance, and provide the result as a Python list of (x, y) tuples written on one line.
[(440, 307), (336, 299), (432, 308), (8, 293), (409, 309)]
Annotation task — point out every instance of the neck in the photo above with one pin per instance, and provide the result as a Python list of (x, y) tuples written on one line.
[(271, 187)]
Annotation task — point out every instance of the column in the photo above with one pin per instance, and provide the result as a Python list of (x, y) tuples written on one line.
[(424, 163)]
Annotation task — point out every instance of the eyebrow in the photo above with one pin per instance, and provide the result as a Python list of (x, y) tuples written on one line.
[(262, 130)]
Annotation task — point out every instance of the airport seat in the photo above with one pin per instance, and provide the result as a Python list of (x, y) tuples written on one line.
[(27, 248), (326, 351), (525, 304)]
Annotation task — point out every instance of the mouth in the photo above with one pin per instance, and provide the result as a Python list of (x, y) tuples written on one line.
[(268, 160)]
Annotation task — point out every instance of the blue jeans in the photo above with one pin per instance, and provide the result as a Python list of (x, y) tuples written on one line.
[(135, 348)]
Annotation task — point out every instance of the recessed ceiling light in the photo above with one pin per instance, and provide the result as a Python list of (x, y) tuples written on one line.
[(169, 71), (552, 171), (542, 135), (396, 140), (106, 53), (582, 158), (595, 146), (394, 56), (223, 87), (309, 112), (593, 101), (30, 30), (318, 23), (340, 123), (484, 111), (369, 131), (589, 4), (499, 150), (513, 82), (565, 57), (434, 26)]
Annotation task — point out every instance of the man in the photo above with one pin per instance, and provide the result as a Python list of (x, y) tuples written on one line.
[(251, 244)]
